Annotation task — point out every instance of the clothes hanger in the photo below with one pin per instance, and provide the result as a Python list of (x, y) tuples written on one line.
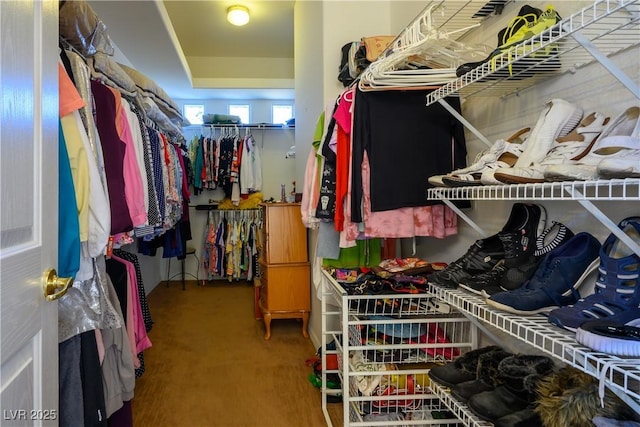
[(423, 56)]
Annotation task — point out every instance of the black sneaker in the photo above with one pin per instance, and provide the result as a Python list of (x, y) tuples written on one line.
[(519, 234), (513, 241), (556, 235), (482, 256), (486, 283)]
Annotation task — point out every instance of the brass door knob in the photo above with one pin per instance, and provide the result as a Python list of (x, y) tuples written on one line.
[(55, 287)]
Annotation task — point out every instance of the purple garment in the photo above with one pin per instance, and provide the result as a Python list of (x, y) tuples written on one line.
[(113, 149), (123, 417)]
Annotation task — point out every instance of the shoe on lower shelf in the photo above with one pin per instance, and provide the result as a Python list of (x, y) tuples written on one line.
[(563, 151), (606, 336), (617, 149), (519, 375), (463, 368), (556, 280), (617, 288)]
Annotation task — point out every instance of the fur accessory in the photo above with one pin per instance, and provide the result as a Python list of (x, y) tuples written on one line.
[(569, 398)]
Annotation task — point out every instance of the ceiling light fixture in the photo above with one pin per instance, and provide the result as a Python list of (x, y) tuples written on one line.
[(238, 15)]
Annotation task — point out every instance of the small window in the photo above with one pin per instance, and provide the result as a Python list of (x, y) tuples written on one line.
[(242, 111), (194, 113), (280, 114)]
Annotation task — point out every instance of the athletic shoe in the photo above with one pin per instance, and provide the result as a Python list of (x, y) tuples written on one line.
[(558, 118), (563, 150), (618, 144), (527, 220), (513, 241), (551, 238), (496, 157), (525, 223), (555, 282), (606, 336), (507, 36), (617, 289), (480, 257), (487, 283)]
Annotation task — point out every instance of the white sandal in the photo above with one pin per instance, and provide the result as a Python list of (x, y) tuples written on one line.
[(615, 154), (471, 175)]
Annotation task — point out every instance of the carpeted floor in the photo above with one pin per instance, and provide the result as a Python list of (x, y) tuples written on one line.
[(210, 365)]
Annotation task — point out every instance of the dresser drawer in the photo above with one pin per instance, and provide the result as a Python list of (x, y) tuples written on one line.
[(285, 287)]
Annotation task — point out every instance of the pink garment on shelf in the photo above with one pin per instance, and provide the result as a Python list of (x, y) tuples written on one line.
[(436, 221), (133, 189), (135, 321), (343, 114), (309, 191)]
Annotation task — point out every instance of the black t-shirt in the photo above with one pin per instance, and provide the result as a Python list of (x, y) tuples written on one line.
[(406, 142)]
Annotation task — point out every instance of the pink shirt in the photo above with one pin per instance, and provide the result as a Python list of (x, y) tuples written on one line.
[(133, 189)]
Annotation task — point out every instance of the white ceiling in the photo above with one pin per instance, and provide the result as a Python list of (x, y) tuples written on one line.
[(170, 40)]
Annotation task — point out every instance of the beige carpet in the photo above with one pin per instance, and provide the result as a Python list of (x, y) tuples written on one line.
[(210, 365)]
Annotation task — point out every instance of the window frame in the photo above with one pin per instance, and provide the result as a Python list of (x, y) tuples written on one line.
[(282, 104), (229, 106), (184, 113)]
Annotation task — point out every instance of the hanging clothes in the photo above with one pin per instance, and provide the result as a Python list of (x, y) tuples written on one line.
[(231, 162), (230, 248)]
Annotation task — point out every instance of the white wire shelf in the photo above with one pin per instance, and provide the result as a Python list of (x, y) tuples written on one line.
[(609, 26), (614, 189), (461, 411), (621, 375)]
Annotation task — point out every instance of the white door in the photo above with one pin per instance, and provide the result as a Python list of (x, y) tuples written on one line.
[(29, 211)]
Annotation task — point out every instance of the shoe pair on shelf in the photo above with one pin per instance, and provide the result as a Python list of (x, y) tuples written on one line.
[(513, 246), (496, 385), (529, 22), (558, 119), (501, 278), (609, 319), (561, 146), (596, 148)]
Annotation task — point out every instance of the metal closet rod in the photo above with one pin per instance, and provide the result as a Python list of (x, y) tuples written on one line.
[(255, 126)]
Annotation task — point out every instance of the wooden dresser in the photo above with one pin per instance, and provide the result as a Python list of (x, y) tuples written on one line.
[(284, 266)]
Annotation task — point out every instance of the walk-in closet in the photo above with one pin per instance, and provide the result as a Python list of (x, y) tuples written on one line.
[(353, 213)]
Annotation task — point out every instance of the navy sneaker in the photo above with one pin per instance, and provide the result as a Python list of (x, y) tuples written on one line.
[(556, 235), (555, 282), (617, 289)]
